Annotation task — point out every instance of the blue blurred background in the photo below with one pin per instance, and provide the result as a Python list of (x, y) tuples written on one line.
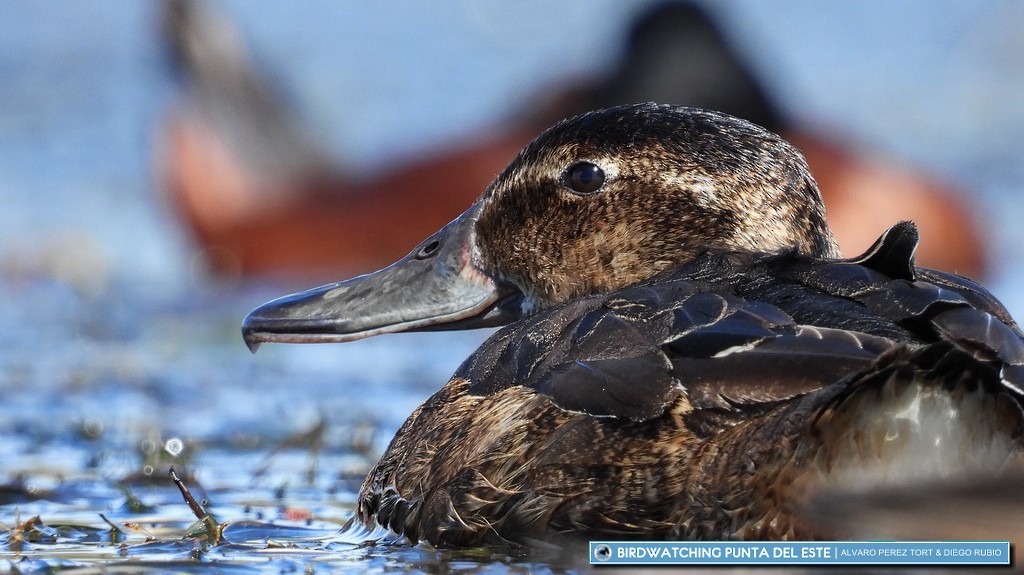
[(84, 86)]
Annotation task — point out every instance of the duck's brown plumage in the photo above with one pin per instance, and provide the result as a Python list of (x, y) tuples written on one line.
[(676, 184), (692, 359), (624, 415)]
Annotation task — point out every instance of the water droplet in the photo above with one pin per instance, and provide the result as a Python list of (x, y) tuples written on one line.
[(174, 446), (92, 428)]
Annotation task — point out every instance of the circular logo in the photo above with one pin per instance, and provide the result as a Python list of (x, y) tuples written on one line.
[(602, 552)]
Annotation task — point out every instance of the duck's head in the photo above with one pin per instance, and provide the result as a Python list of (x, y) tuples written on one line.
[(595, 203)]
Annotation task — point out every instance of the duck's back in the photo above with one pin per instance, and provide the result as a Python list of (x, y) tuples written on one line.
[(692, 404)]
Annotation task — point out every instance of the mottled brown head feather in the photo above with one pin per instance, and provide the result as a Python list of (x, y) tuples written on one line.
[(678, 180)]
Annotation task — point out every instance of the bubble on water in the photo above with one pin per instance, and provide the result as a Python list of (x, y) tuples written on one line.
[(92, 428), (174, 446), (147, 470)]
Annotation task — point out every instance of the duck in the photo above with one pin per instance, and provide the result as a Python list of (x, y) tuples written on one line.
[(258, 193), (683, 353)]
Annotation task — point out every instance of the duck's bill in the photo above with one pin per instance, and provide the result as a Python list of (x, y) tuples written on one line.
[(435, 287)]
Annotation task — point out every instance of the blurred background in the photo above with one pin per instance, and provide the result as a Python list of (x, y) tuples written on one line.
[(120, 314), (87, 87)]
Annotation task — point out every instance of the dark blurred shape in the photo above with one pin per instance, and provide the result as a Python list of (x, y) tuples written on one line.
[(239, 102), (676, 54), (973, 509), (261, 198)]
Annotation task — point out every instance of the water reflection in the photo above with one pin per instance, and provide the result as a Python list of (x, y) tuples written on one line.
[(103, 393)]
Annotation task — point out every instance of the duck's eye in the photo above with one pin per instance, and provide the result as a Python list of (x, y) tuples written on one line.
[(585, 178)]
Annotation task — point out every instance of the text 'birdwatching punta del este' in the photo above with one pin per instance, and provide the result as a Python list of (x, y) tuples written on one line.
[(802, 552)]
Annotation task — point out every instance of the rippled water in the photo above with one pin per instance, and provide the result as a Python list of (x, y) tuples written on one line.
[(102, 396)]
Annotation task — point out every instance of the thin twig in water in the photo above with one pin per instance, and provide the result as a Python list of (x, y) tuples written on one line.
[(110, 523), (194, 505), (212, 528)]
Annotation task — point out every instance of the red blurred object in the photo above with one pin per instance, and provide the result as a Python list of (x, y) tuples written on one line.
[(261, 199)]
